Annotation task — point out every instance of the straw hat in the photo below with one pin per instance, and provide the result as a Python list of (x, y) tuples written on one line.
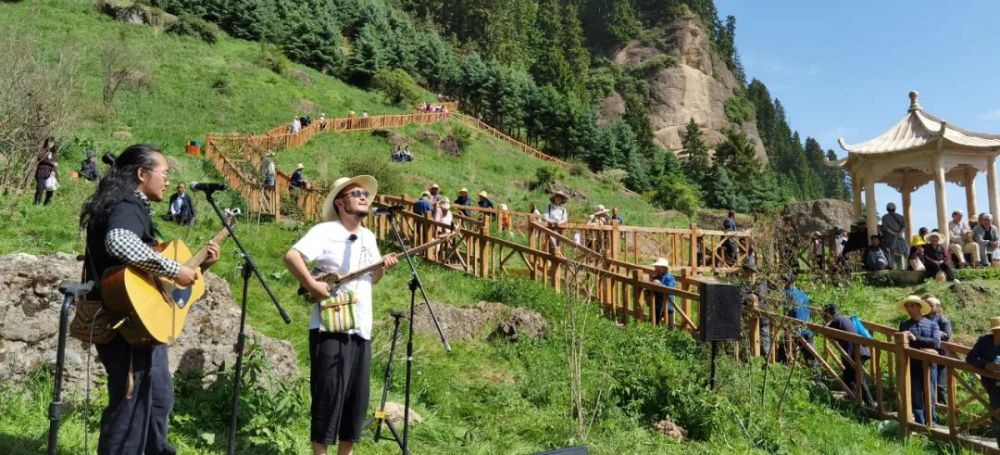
[(484, 195), (558, 194), (425, 193), (600, 210), (367, 182), (662, 262), (925, 308), (503, 207), (435, 186), (932, 301), (299, 166), (463, 190), (995, 323), (444, 203), (928, 237)]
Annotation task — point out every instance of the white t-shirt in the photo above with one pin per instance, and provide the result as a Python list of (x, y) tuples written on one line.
[(328, 247)]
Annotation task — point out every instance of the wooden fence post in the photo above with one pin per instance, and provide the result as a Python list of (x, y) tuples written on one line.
[(484, 251), (903, 385), (636, 296), (753, 338), (694, 248)]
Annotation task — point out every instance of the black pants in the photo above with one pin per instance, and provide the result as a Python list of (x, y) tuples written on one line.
[(40, 189), (933, 269), (339, 371), (136, 423), (849, 376)]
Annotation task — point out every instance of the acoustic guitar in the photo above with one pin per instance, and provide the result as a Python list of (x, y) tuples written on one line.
[(333, 280), (153, 308)]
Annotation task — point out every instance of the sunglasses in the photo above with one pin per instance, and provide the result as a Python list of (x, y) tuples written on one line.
[(356, 194)]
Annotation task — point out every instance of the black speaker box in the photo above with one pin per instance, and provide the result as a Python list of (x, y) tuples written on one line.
[(721, 312)]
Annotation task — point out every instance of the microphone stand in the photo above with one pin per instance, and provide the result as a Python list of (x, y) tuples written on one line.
[(248, 269), (414, 285), (71, 291)]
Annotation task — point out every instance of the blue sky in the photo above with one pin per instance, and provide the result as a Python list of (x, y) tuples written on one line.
[(843, 69)]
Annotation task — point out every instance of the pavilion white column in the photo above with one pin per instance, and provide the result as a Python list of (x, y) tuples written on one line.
[(970, 193), (856, 194), (991, 184), (942, 200), (870, 220), (907, 212)]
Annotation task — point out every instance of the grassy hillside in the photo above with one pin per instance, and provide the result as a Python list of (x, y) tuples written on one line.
[(485, 397)]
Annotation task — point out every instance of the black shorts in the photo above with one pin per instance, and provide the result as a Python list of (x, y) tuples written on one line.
[(339, 371)]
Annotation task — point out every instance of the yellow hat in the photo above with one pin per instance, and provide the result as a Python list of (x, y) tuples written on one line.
[(364, 181)]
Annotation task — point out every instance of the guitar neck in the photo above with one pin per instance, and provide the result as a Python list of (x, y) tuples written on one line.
[(202, 254), (373, 266)]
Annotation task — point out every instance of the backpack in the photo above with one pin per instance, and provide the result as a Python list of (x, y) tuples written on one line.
[(860, 326)]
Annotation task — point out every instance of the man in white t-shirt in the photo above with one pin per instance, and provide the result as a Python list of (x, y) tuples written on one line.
[(340, 362)]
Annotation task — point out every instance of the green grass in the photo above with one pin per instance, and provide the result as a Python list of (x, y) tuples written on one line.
[(484, 397)]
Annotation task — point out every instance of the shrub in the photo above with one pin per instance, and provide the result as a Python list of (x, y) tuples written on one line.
[(613, 178), (390, 178), (194, 26), (677, 194), (547, 175), (272, 58), (397, 86)]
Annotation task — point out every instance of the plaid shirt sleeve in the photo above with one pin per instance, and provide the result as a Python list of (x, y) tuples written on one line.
[(126, 246)]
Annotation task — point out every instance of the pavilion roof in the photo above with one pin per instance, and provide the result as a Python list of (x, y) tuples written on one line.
[(917, 130)]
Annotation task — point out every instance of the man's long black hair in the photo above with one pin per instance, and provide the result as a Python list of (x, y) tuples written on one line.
[(121, 180)]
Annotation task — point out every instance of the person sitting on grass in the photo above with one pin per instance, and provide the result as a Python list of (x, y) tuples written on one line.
[(877, 256), (936, 258)]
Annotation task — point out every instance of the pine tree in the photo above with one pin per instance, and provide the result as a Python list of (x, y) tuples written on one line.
[(737, 155), (696, 165), (720, 192)]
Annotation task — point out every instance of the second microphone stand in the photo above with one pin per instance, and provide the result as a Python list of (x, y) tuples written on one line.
[(414, 285), (248, 269)]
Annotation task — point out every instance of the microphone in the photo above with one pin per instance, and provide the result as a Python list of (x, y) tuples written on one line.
[(352, 238), (207, 187), (381, 211)]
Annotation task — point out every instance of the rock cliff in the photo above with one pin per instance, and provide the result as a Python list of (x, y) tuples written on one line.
[(697, 86)]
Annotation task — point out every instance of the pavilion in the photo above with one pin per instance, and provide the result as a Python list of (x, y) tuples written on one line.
[(921, 148)]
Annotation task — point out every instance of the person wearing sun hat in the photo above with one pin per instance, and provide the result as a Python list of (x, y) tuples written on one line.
[(297, 180), (506, 221), (443, 215), (661, 275), (936, 258), (340, 360), (484, 200), (600, 216), (423, 205), (985, 354), (925, 335), (435, 191), (464, 199)]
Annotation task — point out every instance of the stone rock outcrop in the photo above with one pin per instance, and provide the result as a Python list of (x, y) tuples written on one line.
[(671, 430), (29, 324), (807, 217), (696, 87), (395, 412), (481, 321), (522, 324)]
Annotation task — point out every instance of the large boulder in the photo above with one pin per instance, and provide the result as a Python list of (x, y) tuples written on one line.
[(807, 217), (522, 324), (460, 323), (29, 324)]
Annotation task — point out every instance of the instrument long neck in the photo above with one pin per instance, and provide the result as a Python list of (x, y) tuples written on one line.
[(202, 254)]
